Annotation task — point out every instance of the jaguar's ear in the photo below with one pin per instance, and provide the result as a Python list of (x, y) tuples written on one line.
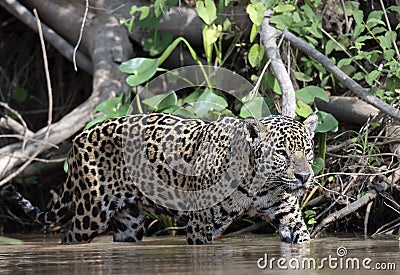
[(252, 129), (311, 124)]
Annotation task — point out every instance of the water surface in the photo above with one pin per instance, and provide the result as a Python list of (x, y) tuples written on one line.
[(247, 254)]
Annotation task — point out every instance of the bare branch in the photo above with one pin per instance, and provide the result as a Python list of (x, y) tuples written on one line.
[(268, 36), (65, 48), (340, 75), (351, 208)]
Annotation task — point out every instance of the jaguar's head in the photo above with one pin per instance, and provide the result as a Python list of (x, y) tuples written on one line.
[(283, 151)]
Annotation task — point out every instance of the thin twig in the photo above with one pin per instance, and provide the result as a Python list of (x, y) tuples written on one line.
[(351, 208), (366, 218), (357, 174), (80, 35), (47, 73), (14, 112), (50, 98), (7, 122), (29, 138), (389, 27), (380, 230), (39, 159), (336, 200), (58, 42), (341, 76)]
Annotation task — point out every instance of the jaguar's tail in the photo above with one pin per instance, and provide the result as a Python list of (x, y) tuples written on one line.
[(51, 217)]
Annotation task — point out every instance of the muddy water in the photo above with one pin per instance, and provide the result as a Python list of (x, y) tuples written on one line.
[(247, 254)]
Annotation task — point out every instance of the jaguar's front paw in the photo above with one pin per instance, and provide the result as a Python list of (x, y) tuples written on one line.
[(296, 234)]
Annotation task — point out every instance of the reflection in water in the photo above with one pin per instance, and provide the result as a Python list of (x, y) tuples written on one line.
[(172, 256)]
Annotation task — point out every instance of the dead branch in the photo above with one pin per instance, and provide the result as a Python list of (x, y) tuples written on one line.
[(351, 208), (108, 45), (340, 75), (268, 36), (58, 42), (8, 123)]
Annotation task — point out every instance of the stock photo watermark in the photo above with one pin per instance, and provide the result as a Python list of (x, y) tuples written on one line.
[(339, 261)]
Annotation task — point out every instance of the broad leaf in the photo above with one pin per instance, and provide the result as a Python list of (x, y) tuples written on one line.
[(256, 108), (255, 55), (256, 13), (209, 101), (206, 11), (309, 93), (327, 122), (303, 109), (161, 102)]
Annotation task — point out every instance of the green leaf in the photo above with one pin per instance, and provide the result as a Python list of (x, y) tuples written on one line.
[(193, 97), (378, 30), (303, 77), (255, 55), (65, 166), (358, 29), (19, 94), (206, 11), (5, 240), (109, 106), (171, 48), (283, 8), (156, 44), (390, 37), (142, 69), (144, 12), (282, 20), (309, 93), (254, 31), (98, 120), (370, 78), (392, 83), (374, 22), (358, 16), (329, 47), (308, 12), (209, 101), (272, 83), (137, 65), (211, 34), (303, 109), (185, 112), (256, 13), (318, 165), (394, 8), (327, 122), (363, 38), (160, 102), (133, 10), (388, 54), (256, 108), (158, 7)]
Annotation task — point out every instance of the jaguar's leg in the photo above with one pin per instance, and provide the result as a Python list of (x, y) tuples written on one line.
[(199, 229), (286, 215), (128, 224), (90, 220)]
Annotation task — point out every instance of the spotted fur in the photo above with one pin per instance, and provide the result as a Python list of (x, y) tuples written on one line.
[(124, 167)]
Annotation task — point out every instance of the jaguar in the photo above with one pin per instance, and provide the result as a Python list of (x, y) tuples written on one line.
[(210, 172)]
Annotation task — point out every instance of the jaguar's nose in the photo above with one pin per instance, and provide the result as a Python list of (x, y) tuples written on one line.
[(302, 178)]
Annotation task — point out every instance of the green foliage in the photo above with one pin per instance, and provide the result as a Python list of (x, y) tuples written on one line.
[(11, 241), (20, 94), (309, 217)]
